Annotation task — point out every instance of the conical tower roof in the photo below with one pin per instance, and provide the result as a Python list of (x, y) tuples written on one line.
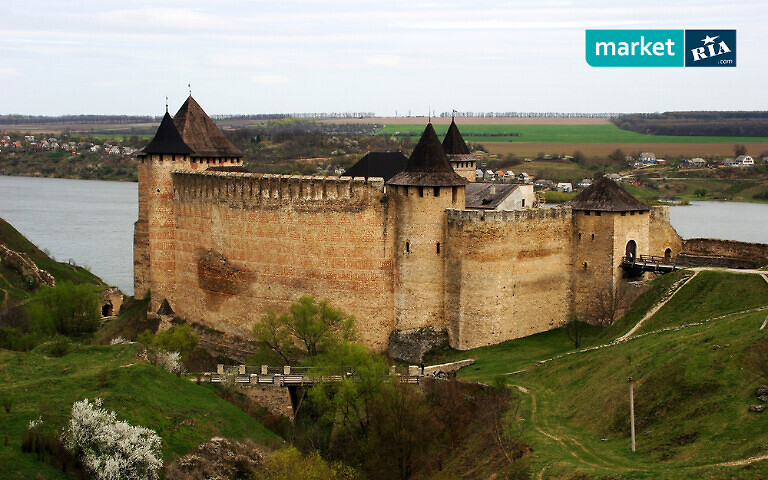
[(167, 140), (201, 134), (606, 196), (453, 143), (428, 166)]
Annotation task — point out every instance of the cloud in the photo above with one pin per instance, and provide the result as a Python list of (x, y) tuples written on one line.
[(271, 79), (391, 61), (6, 71)]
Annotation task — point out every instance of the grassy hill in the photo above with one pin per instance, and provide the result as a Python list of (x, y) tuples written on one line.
[(13, 287), (693, 387), (183, 413)]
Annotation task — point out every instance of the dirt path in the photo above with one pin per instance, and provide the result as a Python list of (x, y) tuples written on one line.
[(675, 288), (576, 449)]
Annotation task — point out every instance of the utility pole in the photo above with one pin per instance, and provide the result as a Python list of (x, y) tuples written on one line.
[(632, 411)]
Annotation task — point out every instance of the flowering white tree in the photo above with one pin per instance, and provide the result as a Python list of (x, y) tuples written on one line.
[(111, 449), (170, 361)]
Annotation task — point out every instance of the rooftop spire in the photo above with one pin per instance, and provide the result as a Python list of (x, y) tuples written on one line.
[(167, 140), (453, 143), (201, 134), (606, 196), (428, 165)]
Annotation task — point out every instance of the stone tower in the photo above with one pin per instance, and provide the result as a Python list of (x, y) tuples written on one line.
[(190, 140), (425, 188), (458, 154), (608, 224)]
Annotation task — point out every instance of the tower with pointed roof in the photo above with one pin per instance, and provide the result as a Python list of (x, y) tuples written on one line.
[(188, 141), (608, 224), (458, 154), (422, 191)]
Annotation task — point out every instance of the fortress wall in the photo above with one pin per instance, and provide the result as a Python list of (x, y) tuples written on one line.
[(662, 235), (141, 260), (507, 274), (600, 242), (420, 265), (246, 243), (710, 247), (593, 259)]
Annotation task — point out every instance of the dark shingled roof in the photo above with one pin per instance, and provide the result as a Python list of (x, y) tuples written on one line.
[(478, 195), (167, 140), (606, 196), (453, 143), (428, 165), (378, 164), (201, 134)]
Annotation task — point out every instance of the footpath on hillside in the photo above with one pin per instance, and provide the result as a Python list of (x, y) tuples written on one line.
[(593, 459)]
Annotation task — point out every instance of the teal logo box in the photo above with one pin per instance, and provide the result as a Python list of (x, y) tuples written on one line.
[(635, 48)]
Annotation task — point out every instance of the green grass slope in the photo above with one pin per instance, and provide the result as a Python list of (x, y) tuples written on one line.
[(12, 287), (693, 387), (183, 413)]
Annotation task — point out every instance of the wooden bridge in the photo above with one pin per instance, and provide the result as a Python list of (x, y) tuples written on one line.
[(653, 263)]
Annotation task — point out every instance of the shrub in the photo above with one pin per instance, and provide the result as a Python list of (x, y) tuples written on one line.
[(182, 339), (73, 309), (59, 347), (109, 448)]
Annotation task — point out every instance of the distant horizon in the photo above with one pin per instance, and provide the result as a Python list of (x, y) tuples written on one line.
[(341, 115), (362, 56)]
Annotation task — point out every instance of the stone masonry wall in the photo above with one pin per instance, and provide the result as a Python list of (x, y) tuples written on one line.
[(757, 253), (507, 274), (246, 243), (420, 253), (661, 234)]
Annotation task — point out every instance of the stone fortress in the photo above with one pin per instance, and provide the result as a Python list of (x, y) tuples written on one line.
[(427, 247)]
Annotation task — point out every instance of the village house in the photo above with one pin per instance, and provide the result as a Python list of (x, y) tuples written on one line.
[(647, 158)]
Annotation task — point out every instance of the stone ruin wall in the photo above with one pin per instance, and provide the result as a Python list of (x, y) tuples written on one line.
[(507, 274), (662, 235), (246, 243), (743, 254)]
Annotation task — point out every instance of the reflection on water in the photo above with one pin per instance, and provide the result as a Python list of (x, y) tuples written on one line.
[(88, 221)]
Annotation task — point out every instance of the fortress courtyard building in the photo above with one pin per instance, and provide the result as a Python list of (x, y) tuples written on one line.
[(219, 246)]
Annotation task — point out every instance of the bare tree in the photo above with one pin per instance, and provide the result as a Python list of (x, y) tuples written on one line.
[(574, 329), (606, 307)]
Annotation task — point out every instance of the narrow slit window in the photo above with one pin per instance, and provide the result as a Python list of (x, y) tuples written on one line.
[(438, 248), (436, 192), (407, 247)]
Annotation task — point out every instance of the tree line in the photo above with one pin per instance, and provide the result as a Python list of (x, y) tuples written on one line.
[(732, 124)]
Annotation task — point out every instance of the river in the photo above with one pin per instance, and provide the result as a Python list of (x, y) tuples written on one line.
[(91, 222), (88, 221)]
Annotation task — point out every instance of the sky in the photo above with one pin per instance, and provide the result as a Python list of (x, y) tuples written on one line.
[(388, 57)]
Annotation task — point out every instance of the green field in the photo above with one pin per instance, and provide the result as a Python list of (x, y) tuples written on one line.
[(558, 134)]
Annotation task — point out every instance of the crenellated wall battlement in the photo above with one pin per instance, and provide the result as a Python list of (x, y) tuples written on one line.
[(457, 216), (256, 188)]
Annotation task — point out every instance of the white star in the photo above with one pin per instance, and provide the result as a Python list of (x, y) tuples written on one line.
[(709, 39)]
